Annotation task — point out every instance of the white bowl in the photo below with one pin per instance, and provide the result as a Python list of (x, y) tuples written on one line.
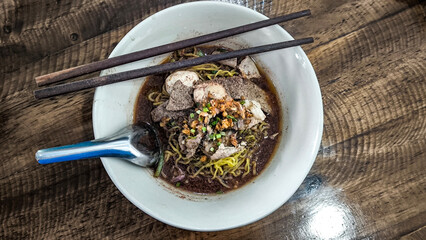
[(298, 89)]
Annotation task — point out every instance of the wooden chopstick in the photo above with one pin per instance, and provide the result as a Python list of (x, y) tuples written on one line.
[(131, 57), (162, 68)]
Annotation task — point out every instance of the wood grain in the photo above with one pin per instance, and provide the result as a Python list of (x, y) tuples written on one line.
[(368, 181), (418, 234)]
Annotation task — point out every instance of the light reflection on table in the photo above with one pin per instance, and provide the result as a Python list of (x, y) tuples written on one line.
[(325, 214)]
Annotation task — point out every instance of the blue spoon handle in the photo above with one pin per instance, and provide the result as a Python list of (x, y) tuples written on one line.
[(84, 150)]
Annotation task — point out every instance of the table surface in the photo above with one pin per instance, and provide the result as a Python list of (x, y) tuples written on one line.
[(368, 180)]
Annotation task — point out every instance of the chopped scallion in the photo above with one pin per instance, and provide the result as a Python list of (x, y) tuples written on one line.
[(218, 136), (211, 149), (178, 184), (159, 164), (204, 129), (198, 111), (191, 115), (231, 117), (193, 130), (205, 109)]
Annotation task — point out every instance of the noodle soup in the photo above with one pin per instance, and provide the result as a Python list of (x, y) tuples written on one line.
[(219, 122)]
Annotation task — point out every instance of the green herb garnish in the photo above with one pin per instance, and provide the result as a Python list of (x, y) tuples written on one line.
[(193, 130), (204, 129), (159, 164), (231, 117), (205, 109), (191, 115), (215, 121), (198, 111), (178, 184)]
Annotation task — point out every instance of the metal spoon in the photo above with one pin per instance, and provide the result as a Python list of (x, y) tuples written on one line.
[(136, 144)]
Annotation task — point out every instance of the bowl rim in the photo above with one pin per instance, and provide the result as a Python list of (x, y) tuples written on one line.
[(316, 141)]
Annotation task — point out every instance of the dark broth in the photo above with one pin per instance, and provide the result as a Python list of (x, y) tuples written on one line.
[(262, 156)]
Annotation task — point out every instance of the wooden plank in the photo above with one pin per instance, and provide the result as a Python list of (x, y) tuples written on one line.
[(416, 235), (39, 29)]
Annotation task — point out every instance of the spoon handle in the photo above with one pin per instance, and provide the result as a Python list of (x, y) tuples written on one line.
[(85, 150)]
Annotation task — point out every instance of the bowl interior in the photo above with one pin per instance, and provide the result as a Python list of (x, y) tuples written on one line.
[(298, 90)]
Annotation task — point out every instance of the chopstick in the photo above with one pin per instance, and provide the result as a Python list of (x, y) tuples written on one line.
[(131, 57), (162, 68)]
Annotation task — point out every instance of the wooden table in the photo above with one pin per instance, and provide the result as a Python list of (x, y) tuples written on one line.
[(368, 181)]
